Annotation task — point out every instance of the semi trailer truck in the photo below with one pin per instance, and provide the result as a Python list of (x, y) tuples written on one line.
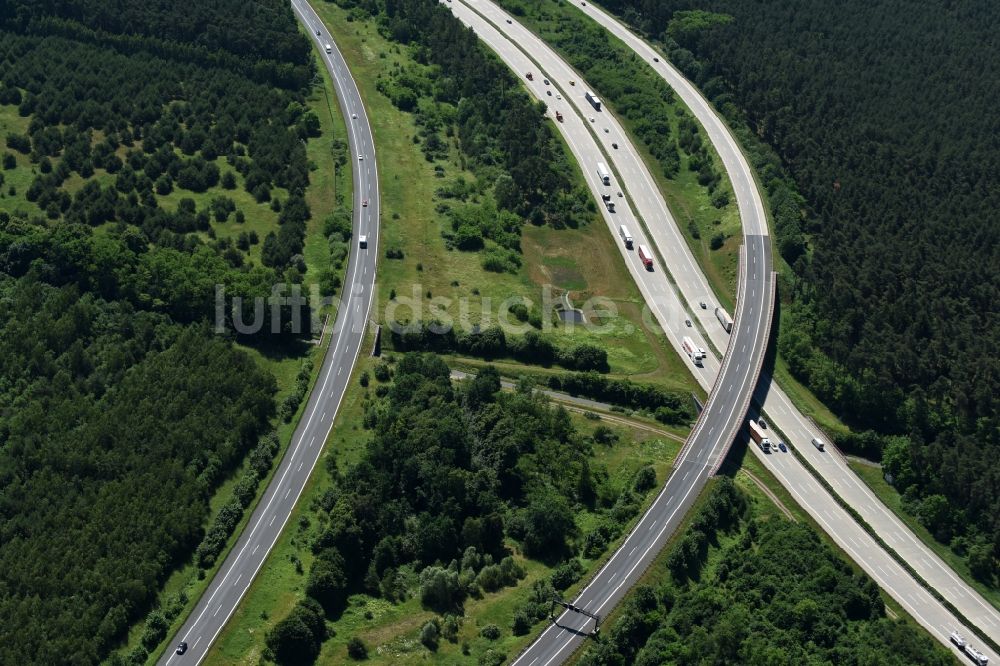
[(758, 436), (724, 319)]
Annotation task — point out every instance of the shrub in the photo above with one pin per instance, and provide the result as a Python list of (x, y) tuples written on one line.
[(356, 649), (490, 632)]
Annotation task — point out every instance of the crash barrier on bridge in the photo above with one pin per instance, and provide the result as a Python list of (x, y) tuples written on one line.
[(756, 373), (699, 424)]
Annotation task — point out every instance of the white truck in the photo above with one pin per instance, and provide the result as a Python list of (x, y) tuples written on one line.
[(724, 319), (594, 100), (818, 443), (603, 173), (626, 236), (695, 352), (976, 656), (758, 436)]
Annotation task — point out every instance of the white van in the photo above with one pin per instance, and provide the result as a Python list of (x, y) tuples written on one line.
[(626, 236), (362, 242), (329, 49)]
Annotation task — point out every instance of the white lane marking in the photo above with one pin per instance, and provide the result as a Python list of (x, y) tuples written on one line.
[(323, 417), (272, 520), (238, 579), (312, 441), (254, 552), (287, 493), (217, 610), (300, 467)]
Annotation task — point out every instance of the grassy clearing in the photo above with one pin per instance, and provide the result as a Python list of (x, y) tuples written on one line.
[(688, 200), (16, 180), (583, 262), (891, 498)]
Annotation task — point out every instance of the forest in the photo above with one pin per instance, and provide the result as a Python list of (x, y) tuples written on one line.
[(121, 411), (738, 589), (887, 138), (451, 479)]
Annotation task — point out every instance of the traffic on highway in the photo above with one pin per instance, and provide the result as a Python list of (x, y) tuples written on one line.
[(486, 18), (246, 558)]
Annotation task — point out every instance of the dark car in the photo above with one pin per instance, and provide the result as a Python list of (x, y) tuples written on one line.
[(182, 647), (762, 423), (781, 445)]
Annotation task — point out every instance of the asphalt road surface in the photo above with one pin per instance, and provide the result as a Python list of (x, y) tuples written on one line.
[(727, 404), (776, 404), (524, 53), (265, 525)]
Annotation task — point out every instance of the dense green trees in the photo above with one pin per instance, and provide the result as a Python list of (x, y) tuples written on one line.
[(117, 424), (774, 594), (452, 478), (886, 127), (121, 412)]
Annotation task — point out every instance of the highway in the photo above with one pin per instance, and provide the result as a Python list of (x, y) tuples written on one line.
[(513, 43), (268, 519), (776, 404), (737, 377)]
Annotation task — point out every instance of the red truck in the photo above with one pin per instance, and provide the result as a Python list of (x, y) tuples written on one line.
[(646, 256)]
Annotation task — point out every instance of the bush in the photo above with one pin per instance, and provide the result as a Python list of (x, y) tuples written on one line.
[(440, 589), (356, 649), (566, 574), (490, 632), (429, 635), (718, 240), (645, 479), (297, 639)]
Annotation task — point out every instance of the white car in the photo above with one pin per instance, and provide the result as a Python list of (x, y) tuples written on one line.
[(958, 639), (606, 130), (360, 157), (558, 96), (354, 115), (362, 242), (591, 119)]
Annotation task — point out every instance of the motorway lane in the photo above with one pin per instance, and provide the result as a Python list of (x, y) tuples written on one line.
[(724, 411), (776, 404), (251, 550), (554, 646), (630, 168), (658, 293)]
